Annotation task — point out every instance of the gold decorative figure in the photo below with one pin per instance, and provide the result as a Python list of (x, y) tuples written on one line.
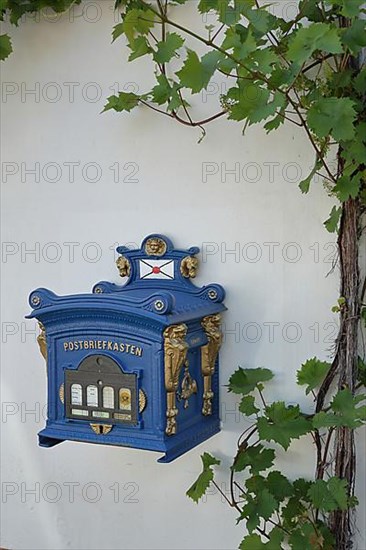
[(155, 247), (188, 386), (123, 266), (189, 266), (209, 353), (175, 355), (41, 339)]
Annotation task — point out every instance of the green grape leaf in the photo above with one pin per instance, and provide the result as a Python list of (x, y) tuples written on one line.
[(240, 40), (355, 152), (354, 37), (275, 122), (292, 511), (226, 14), (125, 101), (330, 495), (360, 81), (261, 19), (167, 48), (176, 99), (279, 486), (344, 405), (304, 185), (244, 381), (332, 115), (344, 412), (331, 224), (5, 47), (247, 405), (196, 73), (349, 8), (135, 22), (260, 505), (323, 419), (139, 47), (256, 458), (306, 538), (301, 487), (276, 537), (254, 103), (310, 10), (162, 92), (312, 374), (254, 542), (361, 372), (339, 80), (256, 484), (264, 60), (347, 187), (316, 36), (200, 486), (282, 424), (205, 6), (118, 30)]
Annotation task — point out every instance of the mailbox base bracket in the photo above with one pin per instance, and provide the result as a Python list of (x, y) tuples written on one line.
[(172, 446), (186, 445), (45, 441)]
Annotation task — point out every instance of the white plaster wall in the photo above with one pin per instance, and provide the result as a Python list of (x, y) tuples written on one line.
[(286, 292)]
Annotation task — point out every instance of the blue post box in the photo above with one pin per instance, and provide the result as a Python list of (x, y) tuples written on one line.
[(135, 364)]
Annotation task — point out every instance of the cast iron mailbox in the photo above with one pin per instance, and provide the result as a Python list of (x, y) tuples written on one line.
[(134, 365)]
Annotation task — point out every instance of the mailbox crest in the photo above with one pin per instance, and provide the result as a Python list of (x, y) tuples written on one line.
[(134, 364)]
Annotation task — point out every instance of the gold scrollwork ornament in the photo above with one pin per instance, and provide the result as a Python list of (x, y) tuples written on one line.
[(142, 401), (209, 353), (101, 429), (61, 393), (175, 355)]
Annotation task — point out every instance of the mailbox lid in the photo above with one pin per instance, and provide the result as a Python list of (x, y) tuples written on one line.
[(162, 308), (158, 285)]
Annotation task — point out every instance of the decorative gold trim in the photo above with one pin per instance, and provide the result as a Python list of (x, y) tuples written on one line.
[(61, 393), (189, 267), (209, 353), (101, 429), (142, 401), (125, 399), (188, 386), (41, 339), (175, 355), (123, 266), (155, 247)]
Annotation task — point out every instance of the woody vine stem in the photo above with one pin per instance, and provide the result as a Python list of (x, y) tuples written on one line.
[(307, 71)]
